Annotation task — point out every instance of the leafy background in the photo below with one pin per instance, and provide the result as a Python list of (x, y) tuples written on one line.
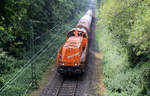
[(25, 28), (123, 32)]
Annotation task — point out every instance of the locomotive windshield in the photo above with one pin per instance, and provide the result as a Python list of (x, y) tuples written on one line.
[(70, 34), (80, 34), (84, 35)]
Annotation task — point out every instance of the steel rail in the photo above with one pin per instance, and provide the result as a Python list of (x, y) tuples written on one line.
[(71, 87), (59, 89), (74, 93)]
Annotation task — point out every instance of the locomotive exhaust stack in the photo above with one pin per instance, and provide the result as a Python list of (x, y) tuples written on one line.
[(72, 55)]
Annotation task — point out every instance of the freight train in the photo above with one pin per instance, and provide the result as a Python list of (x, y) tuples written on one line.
[(72, 55)]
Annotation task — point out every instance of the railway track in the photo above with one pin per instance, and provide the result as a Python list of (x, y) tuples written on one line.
[(64, 86), (67, 87)]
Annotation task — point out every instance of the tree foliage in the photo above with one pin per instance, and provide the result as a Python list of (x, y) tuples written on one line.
[(27, 22), (127, 23), (15, 17)]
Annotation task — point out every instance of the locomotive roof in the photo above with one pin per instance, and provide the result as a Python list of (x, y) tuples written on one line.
[(73, 42)]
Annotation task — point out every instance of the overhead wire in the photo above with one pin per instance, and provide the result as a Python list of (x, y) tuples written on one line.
[(28, 62), (51, 57), (32, 60), (25, 67)]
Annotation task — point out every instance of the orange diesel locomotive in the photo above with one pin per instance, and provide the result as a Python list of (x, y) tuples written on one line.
[(72, 55)]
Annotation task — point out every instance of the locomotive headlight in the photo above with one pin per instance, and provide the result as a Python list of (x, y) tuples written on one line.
[(75, 63), (63, 63)]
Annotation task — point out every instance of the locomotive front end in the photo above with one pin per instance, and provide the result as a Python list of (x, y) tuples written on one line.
[(69, 60)]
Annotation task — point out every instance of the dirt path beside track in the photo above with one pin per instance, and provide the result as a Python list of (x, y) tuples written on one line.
[(93, 64)]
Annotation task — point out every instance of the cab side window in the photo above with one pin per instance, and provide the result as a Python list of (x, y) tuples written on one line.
[(84, 35)]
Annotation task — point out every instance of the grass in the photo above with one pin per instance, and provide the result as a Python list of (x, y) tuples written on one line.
[(119, 78), (122, 32), (43, 81)]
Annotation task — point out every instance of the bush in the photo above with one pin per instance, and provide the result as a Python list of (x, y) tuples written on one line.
[(123, 33)]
